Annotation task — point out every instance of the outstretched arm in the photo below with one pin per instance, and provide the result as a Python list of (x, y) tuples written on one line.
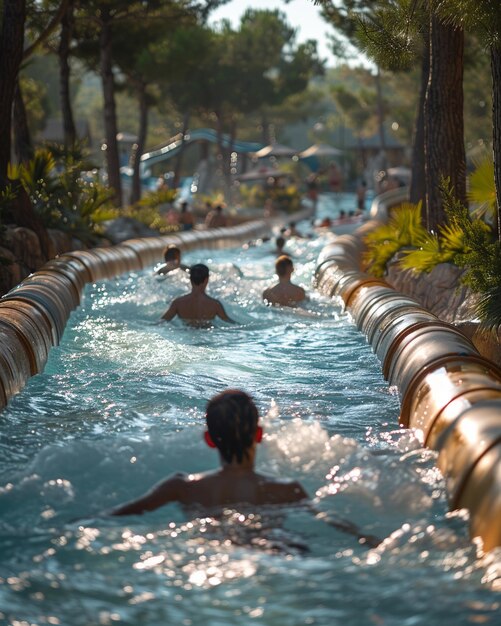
[(162, 493), (347, 527), (220, 312), (171, 312)]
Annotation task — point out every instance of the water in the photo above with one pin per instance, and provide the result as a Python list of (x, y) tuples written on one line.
[(120, 405)]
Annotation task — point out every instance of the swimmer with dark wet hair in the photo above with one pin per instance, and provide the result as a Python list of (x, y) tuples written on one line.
[(197, 308), (280, 244), (233, 429), (285, 292), (292, 231), (172, 258)]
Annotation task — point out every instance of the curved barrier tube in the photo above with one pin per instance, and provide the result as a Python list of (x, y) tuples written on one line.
[(422, 353), (36, 340), (444, 393), (448, 391), (481, 495), (470, 436), (15, 364)]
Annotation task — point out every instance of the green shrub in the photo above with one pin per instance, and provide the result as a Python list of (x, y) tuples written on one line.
[(151, 217), (60, 195), (154, 199), (403, 230), (286, 199), (7, 196), (466, 240), (480, 259), (252, 196)]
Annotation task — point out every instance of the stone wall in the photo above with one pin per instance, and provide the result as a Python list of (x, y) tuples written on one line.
[(442, 293), (21, 253)]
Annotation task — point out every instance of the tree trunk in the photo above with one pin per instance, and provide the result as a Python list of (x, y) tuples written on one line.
[(219, 141), (135, 195), (380, 118), (70, 134), (265, 130), (444, 152), (23, 147), (12, 16), (110, 115), (418, 188), (221, 153), (182, 147), (231, 161), (496, 129)]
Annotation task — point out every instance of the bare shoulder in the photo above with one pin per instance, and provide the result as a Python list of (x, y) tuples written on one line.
[(170, 484), (270, 294), (282, 490), (214, 301)]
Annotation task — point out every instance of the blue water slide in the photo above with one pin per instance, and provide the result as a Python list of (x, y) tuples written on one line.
[(172, 148)]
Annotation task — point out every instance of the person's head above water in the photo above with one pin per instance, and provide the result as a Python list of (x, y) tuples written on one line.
[(232, 425), (172, 253), (199, 273), (280, 241), (283, 265)]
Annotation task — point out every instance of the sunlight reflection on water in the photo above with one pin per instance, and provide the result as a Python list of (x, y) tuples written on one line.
[(120, 405)]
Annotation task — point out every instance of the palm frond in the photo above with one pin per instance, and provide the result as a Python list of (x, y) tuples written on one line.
[(452, 242), (488, 308), (403, 229), (407, 222), (425, 257), (376, 258), (482, 188)]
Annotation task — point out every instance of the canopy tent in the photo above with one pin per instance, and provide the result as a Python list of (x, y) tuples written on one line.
[(319, 150), (275, 150)]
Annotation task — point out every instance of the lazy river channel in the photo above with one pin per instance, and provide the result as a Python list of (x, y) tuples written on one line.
[(120, 405)]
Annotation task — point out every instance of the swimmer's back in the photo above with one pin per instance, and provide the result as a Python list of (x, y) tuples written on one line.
[(225, 488), (284, 295), (196, 308)]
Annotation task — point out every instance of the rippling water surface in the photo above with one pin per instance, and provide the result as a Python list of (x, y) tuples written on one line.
[(120, 405)]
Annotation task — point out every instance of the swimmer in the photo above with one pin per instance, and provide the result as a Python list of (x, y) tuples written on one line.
[(361, 193), (233, 429), (280, 245), (325, 223), (216, 218), (197, 308), (232, 421), (186, 218), (293, 231), (172, 258), (285, 292)]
